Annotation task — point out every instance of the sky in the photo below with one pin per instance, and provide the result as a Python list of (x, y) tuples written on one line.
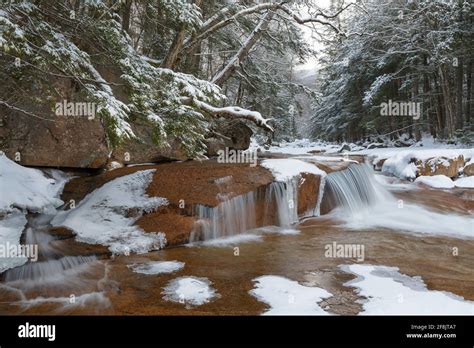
[(315, 44)]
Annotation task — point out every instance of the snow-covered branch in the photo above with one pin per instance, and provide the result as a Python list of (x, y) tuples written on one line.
[(231, 112)]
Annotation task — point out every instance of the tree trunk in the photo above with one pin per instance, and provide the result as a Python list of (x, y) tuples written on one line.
[(469, 91), (127, 10), (448, 101), (459, 94), (171, 58), (242, 54)]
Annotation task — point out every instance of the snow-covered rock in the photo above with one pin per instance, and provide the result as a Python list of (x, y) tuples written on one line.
[(102, 217), (286, 169), (436, 181), (408, 164), (26, 188), (468, 169)]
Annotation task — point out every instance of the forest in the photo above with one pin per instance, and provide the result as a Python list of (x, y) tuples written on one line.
[(188, 68)]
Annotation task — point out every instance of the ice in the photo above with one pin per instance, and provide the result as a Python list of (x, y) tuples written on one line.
[(102, 217), (191, 291), (156, 267)]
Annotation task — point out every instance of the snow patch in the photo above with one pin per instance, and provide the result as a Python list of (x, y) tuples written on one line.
[(26, 188), (192, 291), (102, 216), (285, 169), (389, 292), (11, 228), (288, 297), (466, 182), (436, 181)]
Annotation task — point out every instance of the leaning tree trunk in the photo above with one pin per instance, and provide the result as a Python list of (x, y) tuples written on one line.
[(223, 75)]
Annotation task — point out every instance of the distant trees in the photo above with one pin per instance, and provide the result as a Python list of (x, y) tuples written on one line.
[(413, 51)]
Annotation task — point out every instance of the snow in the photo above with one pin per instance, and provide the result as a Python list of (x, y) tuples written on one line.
[(102, 216), (465, 182), (11, 228), (389, 292), (399, 161), (288, 297), (303, 146), (26, 188), (287, 168), (156, 267), (436, 181), (192, 291)]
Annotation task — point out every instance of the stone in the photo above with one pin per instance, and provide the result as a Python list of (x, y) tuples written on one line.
[(236, 136), (344, 147), (469, 169), (440, 166)]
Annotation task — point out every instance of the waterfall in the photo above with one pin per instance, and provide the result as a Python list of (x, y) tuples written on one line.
[(354, 188), (230, 217), (284, 197), (45, 270), (238, 214)]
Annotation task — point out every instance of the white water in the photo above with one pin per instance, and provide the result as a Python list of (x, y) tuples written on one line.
[(362, 203), (47, 271)]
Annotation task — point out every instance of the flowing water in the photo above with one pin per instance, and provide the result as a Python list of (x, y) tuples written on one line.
[(85, 283)]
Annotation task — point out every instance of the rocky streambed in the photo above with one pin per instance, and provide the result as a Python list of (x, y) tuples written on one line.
[(261, 258)]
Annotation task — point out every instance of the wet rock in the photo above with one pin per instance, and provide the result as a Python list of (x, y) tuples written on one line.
[(440, 166), (308, 192)]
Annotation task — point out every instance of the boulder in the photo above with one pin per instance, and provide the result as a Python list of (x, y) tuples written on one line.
[(235, 135), (75, 142), (440, 166), (469, 169), (48, 140), (344, 147)]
